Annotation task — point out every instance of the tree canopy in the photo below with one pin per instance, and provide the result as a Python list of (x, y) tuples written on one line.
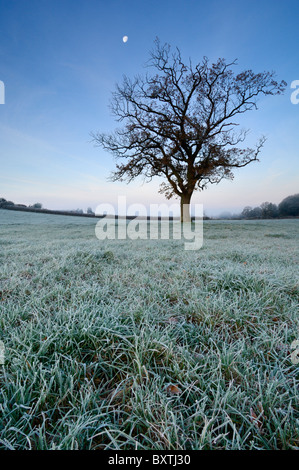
[(180, 122), (289, 206)]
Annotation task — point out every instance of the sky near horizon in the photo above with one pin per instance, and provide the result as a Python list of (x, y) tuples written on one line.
[(60, 61)]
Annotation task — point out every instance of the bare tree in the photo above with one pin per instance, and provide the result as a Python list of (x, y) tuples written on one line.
[(179, 123)]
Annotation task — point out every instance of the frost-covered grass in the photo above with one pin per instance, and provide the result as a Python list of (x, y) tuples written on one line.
[(143, 345)]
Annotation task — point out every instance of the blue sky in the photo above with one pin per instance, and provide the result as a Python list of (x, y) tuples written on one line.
[(60, 61)]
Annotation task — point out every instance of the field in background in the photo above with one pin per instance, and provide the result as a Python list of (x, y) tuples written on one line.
[(142, 345)]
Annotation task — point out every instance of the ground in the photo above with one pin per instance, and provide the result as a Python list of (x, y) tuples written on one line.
[(144, 345)]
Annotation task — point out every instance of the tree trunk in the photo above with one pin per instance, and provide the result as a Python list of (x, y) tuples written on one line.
[(185, 207)]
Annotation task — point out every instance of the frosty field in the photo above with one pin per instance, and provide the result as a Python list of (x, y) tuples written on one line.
[(143, 345)]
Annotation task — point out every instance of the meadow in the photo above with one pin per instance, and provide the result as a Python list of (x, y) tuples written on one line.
[(140, 344)]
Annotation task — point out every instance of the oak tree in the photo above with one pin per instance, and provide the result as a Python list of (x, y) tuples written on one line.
[(180, 122)]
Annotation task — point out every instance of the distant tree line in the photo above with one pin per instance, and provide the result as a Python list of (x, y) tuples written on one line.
[(266, 210), (37, 207), (7, 204), (288, 207)]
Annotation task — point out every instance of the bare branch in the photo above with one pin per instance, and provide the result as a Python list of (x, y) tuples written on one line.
[(180, 122)]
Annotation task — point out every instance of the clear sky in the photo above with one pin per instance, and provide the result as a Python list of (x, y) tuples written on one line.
[(60, 61)]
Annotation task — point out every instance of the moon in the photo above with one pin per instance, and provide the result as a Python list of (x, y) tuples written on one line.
[(125, 38)]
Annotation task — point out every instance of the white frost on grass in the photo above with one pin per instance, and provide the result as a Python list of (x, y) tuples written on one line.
[(95, 331)]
